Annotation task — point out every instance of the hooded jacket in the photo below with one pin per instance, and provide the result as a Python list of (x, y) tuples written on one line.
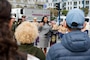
[(74, 46)]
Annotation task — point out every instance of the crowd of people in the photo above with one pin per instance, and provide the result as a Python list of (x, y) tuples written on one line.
[(8, 46), (25, 40)]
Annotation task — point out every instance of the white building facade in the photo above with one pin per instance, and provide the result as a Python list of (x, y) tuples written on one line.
[(69, 4), (27, 3), (51, 3)]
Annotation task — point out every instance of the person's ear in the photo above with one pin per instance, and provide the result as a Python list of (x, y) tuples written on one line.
[(64, 24), (84, 25), (10, 23)]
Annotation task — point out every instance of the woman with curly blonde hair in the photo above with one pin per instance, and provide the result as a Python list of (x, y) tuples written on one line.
[(26, 33)]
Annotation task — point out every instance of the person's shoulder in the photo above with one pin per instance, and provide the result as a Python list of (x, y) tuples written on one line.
[(30, 57), (56, 47), (54, 51), (37, 49)]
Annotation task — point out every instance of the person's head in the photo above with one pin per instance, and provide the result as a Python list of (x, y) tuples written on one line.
[(35, 19), (75, 19), (45, 19), (52, 23), (26, 32), (19, 21), (23, 18), (61, 23), (7, 45)]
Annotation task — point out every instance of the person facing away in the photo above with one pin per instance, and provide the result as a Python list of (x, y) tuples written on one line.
[(26, 33), (75, 45), (8, 46)]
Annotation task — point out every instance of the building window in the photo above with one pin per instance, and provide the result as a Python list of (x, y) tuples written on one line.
[(54, 4), (87, 7), (79, 2), (79, 7), (75, 7), (54, 0), (64, 4), (70, 7), (87, 2), (75, 3), (82, 2), (64, 8), (68, 3), (49, 4)]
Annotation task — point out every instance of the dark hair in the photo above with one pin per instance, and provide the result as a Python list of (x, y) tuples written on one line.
[(23, 16), (43, 20), (74, 24), (8, 46)]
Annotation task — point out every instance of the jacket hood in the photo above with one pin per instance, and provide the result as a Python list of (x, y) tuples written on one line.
[(76, 41)]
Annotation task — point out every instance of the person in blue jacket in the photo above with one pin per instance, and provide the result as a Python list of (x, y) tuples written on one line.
[(75, 45)]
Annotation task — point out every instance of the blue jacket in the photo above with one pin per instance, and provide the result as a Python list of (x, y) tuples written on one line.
[(74, 46)]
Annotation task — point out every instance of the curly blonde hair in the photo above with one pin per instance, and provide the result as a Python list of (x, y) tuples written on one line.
[(26, 32)]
